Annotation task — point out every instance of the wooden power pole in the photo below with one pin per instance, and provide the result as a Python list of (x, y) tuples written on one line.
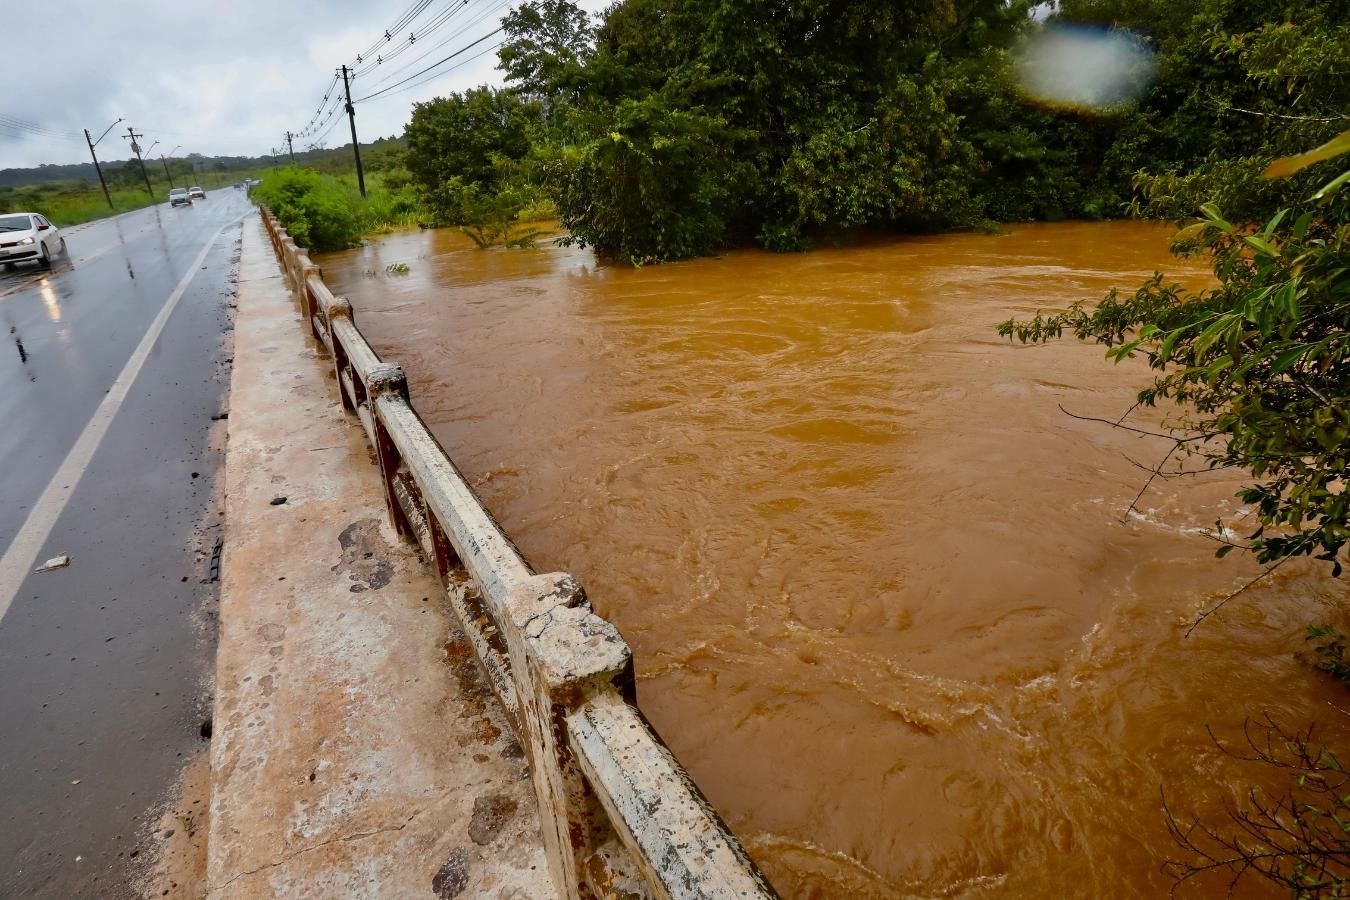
[(136, 148), (356, 145)]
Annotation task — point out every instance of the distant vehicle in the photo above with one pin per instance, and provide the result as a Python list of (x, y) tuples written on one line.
[(29, 236), (196, 193), (179, 197)]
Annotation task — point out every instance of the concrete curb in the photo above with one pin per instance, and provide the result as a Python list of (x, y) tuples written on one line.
[(356, 752)]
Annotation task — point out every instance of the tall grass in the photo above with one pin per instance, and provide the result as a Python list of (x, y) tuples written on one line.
[(71, 203)]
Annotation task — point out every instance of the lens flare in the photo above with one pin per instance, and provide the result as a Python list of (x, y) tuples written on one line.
[(1083, 68)]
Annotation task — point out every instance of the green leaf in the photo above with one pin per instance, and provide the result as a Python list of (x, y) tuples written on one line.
[(1210, 334), (1216, 369), (1301, 224), (1331, 187), (1275, 222), (1288, 165), (1169, 342), (1261, 245), (1212, 213), (1287, 358)]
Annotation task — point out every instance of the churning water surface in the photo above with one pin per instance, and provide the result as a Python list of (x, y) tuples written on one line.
[(884, 602)]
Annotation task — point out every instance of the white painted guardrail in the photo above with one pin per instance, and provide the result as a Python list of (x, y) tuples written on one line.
[(620, 818)]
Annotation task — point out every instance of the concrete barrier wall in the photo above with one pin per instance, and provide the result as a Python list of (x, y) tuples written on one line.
[(620, 817)]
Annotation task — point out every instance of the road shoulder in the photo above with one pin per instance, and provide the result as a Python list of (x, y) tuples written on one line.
[(357, 750)]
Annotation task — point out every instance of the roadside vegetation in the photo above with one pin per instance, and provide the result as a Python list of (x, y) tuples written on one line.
[(327, 212), (69, 203), (69, 194)]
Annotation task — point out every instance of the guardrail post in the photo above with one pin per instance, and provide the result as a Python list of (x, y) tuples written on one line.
[(562, 654), (383, 380), (308, 268), (341, 307), (289, 250)]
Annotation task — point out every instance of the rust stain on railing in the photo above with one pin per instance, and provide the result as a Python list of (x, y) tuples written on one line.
[(619, 816)]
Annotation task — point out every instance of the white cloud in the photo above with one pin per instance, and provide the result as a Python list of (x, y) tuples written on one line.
[(216, 77)]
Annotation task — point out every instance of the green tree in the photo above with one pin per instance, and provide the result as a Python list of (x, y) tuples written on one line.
[(547, 45), (466, 139), (772, 121)]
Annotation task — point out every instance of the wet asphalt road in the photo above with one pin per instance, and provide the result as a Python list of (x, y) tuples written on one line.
[(104, 665)]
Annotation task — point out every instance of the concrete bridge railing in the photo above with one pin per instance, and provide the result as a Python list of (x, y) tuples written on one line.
[(620, 817)]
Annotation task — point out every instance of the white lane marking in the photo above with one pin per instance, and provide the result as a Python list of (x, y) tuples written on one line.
[(90, 257), (23, 551)]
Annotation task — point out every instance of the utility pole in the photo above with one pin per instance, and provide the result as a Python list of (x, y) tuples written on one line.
[(97, 168), (167, 170), (290, 147), (356, 145), (136, 148)]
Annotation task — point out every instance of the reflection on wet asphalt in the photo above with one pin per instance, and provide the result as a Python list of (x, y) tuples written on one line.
[(104, 662)]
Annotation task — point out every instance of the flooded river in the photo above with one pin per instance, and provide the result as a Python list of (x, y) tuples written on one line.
[(881, 595)]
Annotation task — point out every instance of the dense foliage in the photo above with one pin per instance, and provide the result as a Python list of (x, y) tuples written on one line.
[(461, 149), (326, 212), (673, 128), (318, 210), (1257, 366)]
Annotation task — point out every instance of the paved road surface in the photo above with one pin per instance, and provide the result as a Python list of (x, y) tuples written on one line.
[(108, 453)]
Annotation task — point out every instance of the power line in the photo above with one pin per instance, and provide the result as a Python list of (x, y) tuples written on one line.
[(177, 134), (402, 22), (434, 75), (495, 31), (327, 117), (323, 137), (14, 123), (327, 91), (458, 33), (439, 21)]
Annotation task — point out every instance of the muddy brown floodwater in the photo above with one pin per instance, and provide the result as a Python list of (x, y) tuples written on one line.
[(881, 596)]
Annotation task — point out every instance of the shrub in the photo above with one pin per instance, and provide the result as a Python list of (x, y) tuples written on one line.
[(319, 211), (540, 210)]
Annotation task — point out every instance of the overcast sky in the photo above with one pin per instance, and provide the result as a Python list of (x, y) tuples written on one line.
[(221, 76)]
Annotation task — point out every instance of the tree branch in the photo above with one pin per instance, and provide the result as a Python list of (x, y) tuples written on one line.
[(1216, 607)]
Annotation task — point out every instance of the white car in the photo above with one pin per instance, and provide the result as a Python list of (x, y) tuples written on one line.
[(29, 236), (196, 193), (179, 197)]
